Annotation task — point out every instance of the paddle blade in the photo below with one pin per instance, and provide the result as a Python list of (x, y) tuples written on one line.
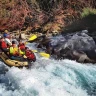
[(33, 37), (35, 51), (44, 54)]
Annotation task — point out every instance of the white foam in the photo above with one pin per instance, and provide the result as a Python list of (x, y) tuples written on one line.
[(48, 78)]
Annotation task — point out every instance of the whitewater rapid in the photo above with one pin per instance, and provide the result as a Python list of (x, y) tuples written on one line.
[(49, 78)]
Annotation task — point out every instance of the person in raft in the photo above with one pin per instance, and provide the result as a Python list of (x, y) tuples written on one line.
[(21, 48), (7, 38), (5, 33), (29, 54), (13, 51), (26, 52), (3, 45)]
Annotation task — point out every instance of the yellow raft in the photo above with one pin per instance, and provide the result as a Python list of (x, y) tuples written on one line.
[(11, 63)]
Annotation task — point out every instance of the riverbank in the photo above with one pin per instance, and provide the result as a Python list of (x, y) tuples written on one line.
[(86, 23)]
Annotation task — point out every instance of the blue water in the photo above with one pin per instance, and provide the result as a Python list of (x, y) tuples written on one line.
[(50, 78)]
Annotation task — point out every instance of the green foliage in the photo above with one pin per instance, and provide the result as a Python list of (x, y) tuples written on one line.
[(88, 11)]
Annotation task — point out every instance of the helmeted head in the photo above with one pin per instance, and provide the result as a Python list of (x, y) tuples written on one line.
[(14, 44), (26, 48), (6, 35), (6, 31)]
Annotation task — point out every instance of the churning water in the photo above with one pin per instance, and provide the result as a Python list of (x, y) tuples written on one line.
[(49, 78)]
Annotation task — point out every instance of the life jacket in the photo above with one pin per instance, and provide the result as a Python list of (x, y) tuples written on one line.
[(3, 44), (14, 50), (21, 49), (30, 55), (22, 46), (21, 52), (5, 35)]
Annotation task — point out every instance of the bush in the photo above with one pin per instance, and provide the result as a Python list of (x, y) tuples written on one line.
[(88, 11)]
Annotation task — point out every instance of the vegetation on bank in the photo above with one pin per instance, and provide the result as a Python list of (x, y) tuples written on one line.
[(47, 15), (88, 11)]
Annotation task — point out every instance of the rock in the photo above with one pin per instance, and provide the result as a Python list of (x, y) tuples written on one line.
[(79, 56)]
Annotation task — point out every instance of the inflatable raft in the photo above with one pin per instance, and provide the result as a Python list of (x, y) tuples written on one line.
[(11, 62)]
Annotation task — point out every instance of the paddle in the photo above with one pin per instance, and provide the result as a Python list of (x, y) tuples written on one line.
[(43, 54), (32, 38)]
